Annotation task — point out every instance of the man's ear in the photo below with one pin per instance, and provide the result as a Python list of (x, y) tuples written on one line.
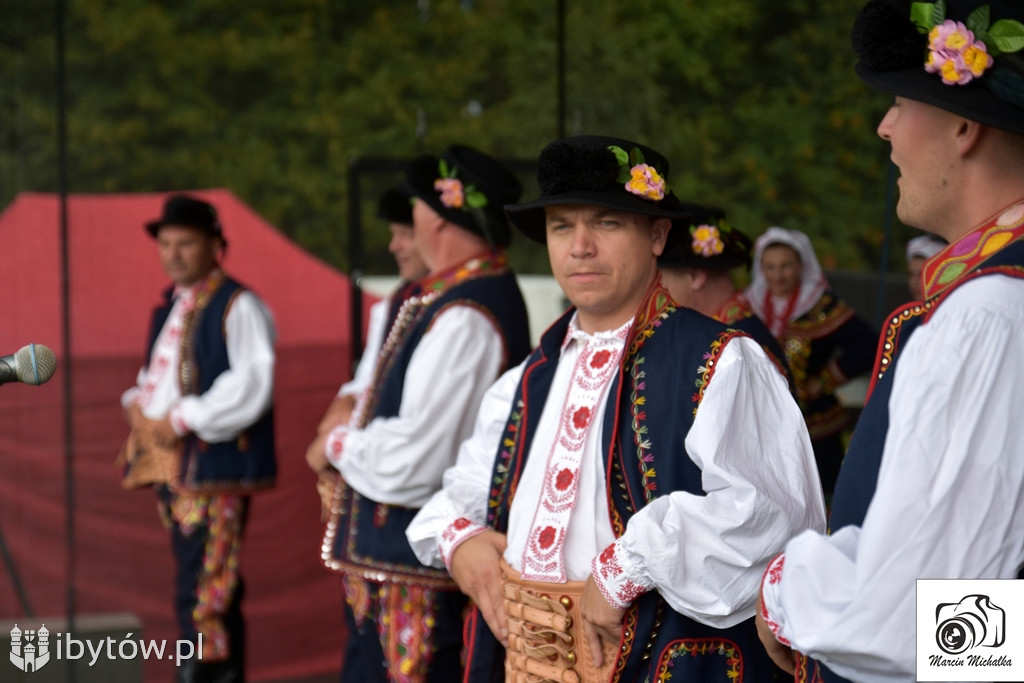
[(699, 276), (968, 133), (659, 234)]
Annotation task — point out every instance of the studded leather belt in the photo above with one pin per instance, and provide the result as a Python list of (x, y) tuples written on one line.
[(545, 634)]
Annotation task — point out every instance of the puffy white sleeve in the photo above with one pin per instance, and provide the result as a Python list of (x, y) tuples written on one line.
[(948, 502), (400, 460), (243, 393), (705, 554), (374, 340), (467, 484)]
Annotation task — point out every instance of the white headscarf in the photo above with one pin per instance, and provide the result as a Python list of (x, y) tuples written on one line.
[(813, 282), (924, 246)]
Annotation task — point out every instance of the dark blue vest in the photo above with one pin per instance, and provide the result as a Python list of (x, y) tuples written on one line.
[(669, 360), (858, 477), (246, 463), (369, 537)]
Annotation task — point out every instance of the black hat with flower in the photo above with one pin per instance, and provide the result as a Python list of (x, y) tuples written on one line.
[(713, 243), (187, 211), (395, 206), (598, 171), (468, 188), (964, 56)]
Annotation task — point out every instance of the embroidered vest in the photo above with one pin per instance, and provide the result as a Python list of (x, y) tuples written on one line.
[(992, 249), (367, 538), (244, 464), (669, 360)]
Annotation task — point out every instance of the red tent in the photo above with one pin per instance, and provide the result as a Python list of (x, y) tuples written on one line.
[(122, 558)]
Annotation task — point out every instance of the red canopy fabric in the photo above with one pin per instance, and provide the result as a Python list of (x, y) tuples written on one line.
[(122, 559)]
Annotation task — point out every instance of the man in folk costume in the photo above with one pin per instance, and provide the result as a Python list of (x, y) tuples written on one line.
[(463, 326), (202, 429), (625, 484), (696, 270), (394, 207), (941, 430)]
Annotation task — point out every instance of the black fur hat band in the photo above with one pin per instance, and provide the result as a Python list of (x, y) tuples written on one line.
[(964, 56)]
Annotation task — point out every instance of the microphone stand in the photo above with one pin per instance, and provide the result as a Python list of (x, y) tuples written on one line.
[(13, 573)]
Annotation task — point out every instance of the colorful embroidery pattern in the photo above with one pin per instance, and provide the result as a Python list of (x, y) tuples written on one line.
[(732, 668), (218, 579), (501, 479), (707, 371), (967, 253), (611, 579), (637, 402), (405, 629), (597, 362)]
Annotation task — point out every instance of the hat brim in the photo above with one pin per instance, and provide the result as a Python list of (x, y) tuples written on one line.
[(531, 220), (973, 100), (153, 227)]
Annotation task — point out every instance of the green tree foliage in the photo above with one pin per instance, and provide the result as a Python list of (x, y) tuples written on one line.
[(755, 103)]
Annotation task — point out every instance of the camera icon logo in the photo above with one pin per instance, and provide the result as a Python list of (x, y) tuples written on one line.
[(973, 622)]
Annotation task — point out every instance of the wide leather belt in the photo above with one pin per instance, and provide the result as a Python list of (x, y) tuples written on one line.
[(545, 633)]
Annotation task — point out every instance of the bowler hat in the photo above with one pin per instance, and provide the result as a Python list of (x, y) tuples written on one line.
[(598, 171), (180, 209), (395, 206), (963, 56), (713, 244), (468, 188)]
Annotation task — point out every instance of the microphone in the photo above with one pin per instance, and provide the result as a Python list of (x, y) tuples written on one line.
[(31, 364)]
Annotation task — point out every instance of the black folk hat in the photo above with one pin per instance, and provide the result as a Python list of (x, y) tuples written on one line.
[(468, 188), (713, 244), (598, 171), (180, 209), (395, 206), (964, 56)]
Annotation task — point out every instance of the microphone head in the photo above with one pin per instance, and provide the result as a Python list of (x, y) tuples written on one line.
[(35, 364)]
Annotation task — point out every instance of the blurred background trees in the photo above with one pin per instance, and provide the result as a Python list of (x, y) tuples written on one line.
[(755, 103)]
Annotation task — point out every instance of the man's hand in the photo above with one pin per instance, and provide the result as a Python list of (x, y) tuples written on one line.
[(784, 657), (601, 621), (316, 454), (338, 413), (132, 414), (476, 567)]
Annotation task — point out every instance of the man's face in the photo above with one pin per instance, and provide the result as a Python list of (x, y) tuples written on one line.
[(782, 269), (914, 267), (187, 254), (403, 248), (923, 150), (604, 260), (426, 225)]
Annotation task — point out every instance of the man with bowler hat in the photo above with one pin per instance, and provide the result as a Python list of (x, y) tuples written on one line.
[(931, 484), (204, 400), (462, 326), (626, 484)]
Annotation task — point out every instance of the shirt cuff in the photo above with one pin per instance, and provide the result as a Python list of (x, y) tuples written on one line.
[(178, 422), (458, 532), (619, 580), (770, 589), (334, 447)]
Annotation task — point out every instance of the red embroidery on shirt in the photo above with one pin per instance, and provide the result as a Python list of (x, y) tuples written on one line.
[(461, 523), (581, 418), (547, 537), (600, 358), (564, 479)]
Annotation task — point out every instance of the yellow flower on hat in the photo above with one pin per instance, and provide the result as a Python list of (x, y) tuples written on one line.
[(646, 182)]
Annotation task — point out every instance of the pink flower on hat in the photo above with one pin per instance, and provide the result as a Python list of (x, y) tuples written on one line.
[(955, 54), (451, 191), (646, 182), (707, 240)]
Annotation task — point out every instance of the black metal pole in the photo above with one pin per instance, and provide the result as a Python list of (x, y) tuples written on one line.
[(62, 190), (355, 258), (560, 40)]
